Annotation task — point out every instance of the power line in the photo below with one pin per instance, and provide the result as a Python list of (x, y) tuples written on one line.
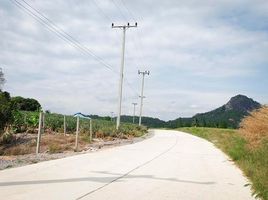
[(106, 16), (140, 54), (120, 10), (52, 27), (59, 32), (129, 11), (101, 10)]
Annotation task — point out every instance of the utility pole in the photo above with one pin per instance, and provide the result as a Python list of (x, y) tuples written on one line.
[(64, 125), (40, 130), (142, 86), (134, 104), (124, 28), (77, 133)]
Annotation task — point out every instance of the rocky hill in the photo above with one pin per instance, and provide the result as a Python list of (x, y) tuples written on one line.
[(226, 116)]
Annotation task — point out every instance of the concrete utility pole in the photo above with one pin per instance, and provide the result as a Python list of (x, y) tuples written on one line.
[(90, 130), (40, 130), (77, 133), (134, 104), (124, 27), (64, 125), (142, 86)]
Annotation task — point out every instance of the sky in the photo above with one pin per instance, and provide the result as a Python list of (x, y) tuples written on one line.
[(199, 54)]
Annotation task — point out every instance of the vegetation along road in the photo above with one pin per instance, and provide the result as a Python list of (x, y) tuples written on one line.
[(169, 165)]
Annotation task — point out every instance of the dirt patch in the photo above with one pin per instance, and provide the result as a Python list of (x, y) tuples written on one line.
[(54, 147)]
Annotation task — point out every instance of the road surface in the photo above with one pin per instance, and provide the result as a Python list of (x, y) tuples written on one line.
[(169, 165)]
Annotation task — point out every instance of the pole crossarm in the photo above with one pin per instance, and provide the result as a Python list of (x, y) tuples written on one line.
[(125, 26)]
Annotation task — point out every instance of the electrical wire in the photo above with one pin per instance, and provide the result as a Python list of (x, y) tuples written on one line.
[(52, 27), (120, 10), (129, 11), (59, 32), (140, 56)]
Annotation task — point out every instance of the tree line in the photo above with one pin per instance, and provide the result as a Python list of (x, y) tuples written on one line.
[(9, 105)]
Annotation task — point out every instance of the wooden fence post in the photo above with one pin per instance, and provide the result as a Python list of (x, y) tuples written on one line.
[(64, 125), (43, 121), (39, 133), (90, 130), (77, 132)]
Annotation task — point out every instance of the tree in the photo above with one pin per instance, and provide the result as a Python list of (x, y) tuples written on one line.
[(26, 104), (5, 110)]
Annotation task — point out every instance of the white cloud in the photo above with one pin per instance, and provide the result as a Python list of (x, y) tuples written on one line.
[(199, 55)]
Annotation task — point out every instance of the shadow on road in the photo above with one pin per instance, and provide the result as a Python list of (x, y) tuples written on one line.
[(107, 179)]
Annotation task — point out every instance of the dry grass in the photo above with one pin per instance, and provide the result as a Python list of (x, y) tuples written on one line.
[(255, 127), (51, 143)]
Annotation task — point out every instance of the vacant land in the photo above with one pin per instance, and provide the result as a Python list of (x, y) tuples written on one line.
[(19, 140), (252, 160)]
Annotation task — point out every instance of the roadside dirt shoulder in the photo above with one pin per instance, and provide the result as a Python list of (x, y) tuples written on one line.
[(97, 145)]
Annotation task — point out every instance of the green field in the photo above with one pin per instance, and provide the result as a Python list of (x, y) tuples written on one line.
[(252, 161), (54, 123), (20, 137)]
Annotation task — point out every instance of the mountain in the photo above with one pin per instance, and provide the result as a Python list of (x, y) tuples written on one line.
[(226, 116)]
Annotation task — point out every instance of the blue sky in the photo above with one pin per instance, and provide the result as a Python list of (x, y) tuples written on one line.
[(200, 54)]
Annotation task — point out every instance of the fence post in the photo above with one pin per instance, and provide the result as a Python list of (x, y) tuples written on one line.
[(77, 132), (43, 121), (39, 133), (64, 125), (90, 130)]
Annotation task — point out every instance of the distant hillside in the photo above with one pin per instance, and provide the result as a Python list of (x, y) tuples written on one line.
[(147, 121), (226, 116)]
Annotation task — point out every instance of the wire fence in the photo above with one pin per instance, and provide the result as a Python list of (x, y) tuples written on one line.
[(53, 128)]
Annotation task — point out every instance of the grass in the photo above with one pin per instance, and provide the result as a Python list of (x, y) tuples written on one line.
[(252, 161)]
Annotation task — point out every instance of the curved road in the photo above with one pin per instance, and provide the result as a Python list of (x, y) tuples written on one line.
[(169, 165)]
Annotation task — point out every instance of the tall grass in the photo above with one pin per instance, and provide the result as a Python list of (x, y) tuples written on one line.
[(255, 127)]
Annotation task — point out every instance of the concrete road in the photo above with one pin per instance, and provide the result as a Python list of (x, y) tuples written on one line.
[(170, 165)]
